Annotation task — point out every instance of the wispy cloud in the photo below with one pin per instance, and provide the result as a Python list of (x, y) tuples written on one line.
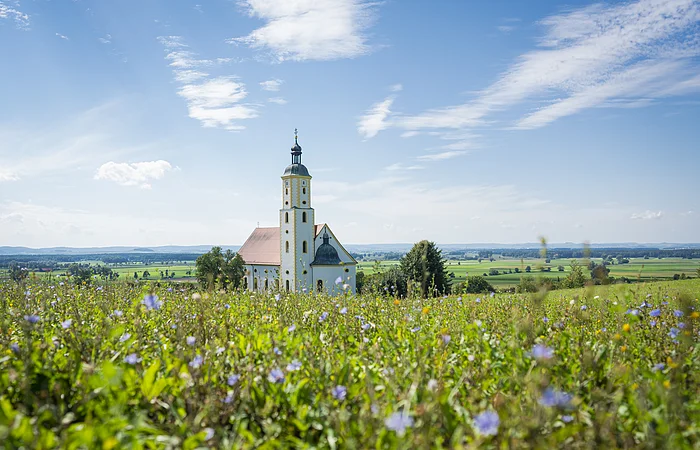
[(505, 28), (107, 39), (620, 55), (214, 101), (441, 156), (271, 85), (277, 100), (396, 167), (301, 30), (62, 36), (20, 19), (139, 174), (647, 215), (374, 120)]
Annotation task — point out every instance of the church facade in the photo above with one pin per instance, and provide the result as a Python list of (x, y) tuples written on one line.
[(299, 255)]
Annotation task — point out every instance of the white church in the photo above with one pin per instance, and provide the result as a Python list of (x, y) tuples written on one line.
[(299, 255)]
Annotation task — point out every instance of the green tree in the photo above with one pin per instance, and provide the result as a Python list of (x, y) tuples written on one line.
[(136, 275), (575, 278), (81, 273), (18, 273), (215, 267), (478, 285), (528, 269), (233, 270), (424, 266)]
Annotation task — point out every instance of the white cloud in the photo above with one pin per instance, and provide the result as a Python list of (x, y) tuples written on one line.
[(135, 174), (106, 40), (647, 215), (309, 29), (62, 36), (396, 87), (215, 102), (277, 100), (7, 175), (505, 28), (271, 85), (441, 156), (11, 12), (374, 119), (401, 167)]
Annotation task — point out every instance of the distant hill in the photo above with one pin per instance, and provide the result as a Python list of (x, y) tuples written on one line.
[(355, 248)]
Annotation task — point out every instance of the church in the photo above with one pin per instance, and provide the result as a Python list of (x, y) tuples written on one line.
[(299, 255)]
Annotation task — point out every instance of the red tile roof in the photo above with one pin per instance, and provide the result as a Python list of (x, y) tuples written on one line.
[(263, 246)]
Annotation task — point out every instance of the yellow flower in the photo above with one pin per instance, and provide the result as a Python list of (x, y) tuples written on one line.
[(623, 348), (426, 310), (635, 386), (694, 315), (617, 336), (626, 328), (396, 301), (667, 384)]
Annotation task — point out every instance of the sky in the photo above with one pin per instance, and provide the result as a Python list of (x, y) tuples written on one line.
[(170, 122)]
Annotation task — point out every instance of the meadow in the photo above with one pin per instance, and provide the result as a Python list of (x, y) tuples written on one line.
[(129, 365)]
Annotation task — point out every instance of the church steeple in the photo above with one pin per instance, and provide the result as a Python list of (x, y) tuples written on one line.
[(296, 150)]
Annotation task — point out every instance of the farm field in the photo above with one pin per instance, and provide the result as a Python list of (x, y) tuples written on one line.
[(133, 366), (637, 268)]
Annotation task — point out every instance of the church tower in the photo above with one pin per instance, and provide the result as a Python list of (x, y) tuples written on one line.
[(297, 230)]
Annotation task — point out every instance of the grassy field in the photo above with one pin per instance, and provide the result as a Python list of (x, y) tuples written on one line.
[(637, 268), (114, 367)]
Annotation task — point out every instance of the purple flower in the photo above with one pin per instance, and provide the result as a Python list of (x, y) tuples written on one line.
[(323, 317), (277, 297), (227, 306), (196, 363), (652, 323), (150, 301), (190, 340), (659, 366), (125, 337), (567, 419), (487, 423), (293, 366), (674, 332), (339, 392), (366, 326), (338, 280), (276, 376), (413, 330), (542, 352), (343, 311), (291, 328), (132, 359), (276, 351), (446, 338), (492, 294), (208, 433), (545, 319), (678, 313), (66, 324), (584, 307), (228, 399), (117, 313), (398, 422), (14, 347), (552, 398), (655, 313), (478, 300), (32, 318)]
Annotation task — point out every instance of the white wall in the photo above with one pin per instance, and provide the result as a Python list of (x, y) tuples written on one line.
[(328, 274), (261, 273)]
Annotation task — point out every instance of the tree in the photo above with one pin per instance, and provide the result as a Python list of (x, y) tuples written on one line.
[(517, 270), (493, 272), (424, 266), (136, 275), (478, 285), (146, 274), (575, 278), (233, 270), (599, 274), (215, 267), (528, 269), (81, 273), (560, 268)]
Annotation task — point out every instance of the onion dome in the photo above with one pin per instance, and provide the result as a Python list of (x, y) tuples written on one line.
[(326, 254), (296, 168)]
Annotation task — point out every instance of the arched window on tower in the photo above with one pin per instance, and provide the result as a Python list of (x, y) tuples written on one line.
[(286, 247), (303, 190), (303, 247), (303, 216), (286, 217), (287, 285)]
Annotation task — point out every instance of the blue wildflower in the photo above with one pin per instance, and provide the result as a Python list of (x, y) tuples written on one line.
[(291, 328), (545, 319), (323, 317), (277, 297), (446, 338), (655, 313), (652, 323), (150, 301), (32, 318), (66, 324), (398, 422), (132, 359), (366, 326), (413, 330), (191, 340), (276, 351), (227, 306), (567, 419), (478, 300), (125, 337), (343, 311), (681, 325), (117, 313), (674, 332), (339, 392), (228, 399), (196, 363), (540, 351), (276, 376), (14, 347), (659, 366), (487, 423), (552, 397), (678, 313), (338, 280), (584, 307), (208, 433), (293, 366)]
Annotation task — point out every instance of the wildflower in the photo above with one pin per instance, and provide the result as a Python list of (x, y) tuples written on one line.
[(572, 301), (66, 324), (478, 300), (293, 366), (446, 338), (276, 351), (366, 326), (208, 433), (227, 306), (338, 280), (634, 312), (277, 297), (681, 325), (398, 422), (117, 313), (678, 313), (626, 328), (567, 419), (196, 296), (396, 301), (196, 362), (674, 332), (291, 328), (542, 352), (14, 347), (276, 376), (374, 408), (124, 337), (191, 340), (150, 301), (655, 313), (233, 379), (413, 330), (470, 358), (346, 287), (228, 399), (339, 392), (432, 384), (694, 315), (426, 310), (584, 307), (492, 294), (132, 359), (667, 384), (551, 398), (343, 311), (659, 366), (487, 423), (32, 318), (323, 317), (545, 319)]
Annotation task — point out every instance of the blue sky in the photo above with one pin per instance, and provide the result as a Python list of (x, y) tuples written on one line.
[(170, 122)]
